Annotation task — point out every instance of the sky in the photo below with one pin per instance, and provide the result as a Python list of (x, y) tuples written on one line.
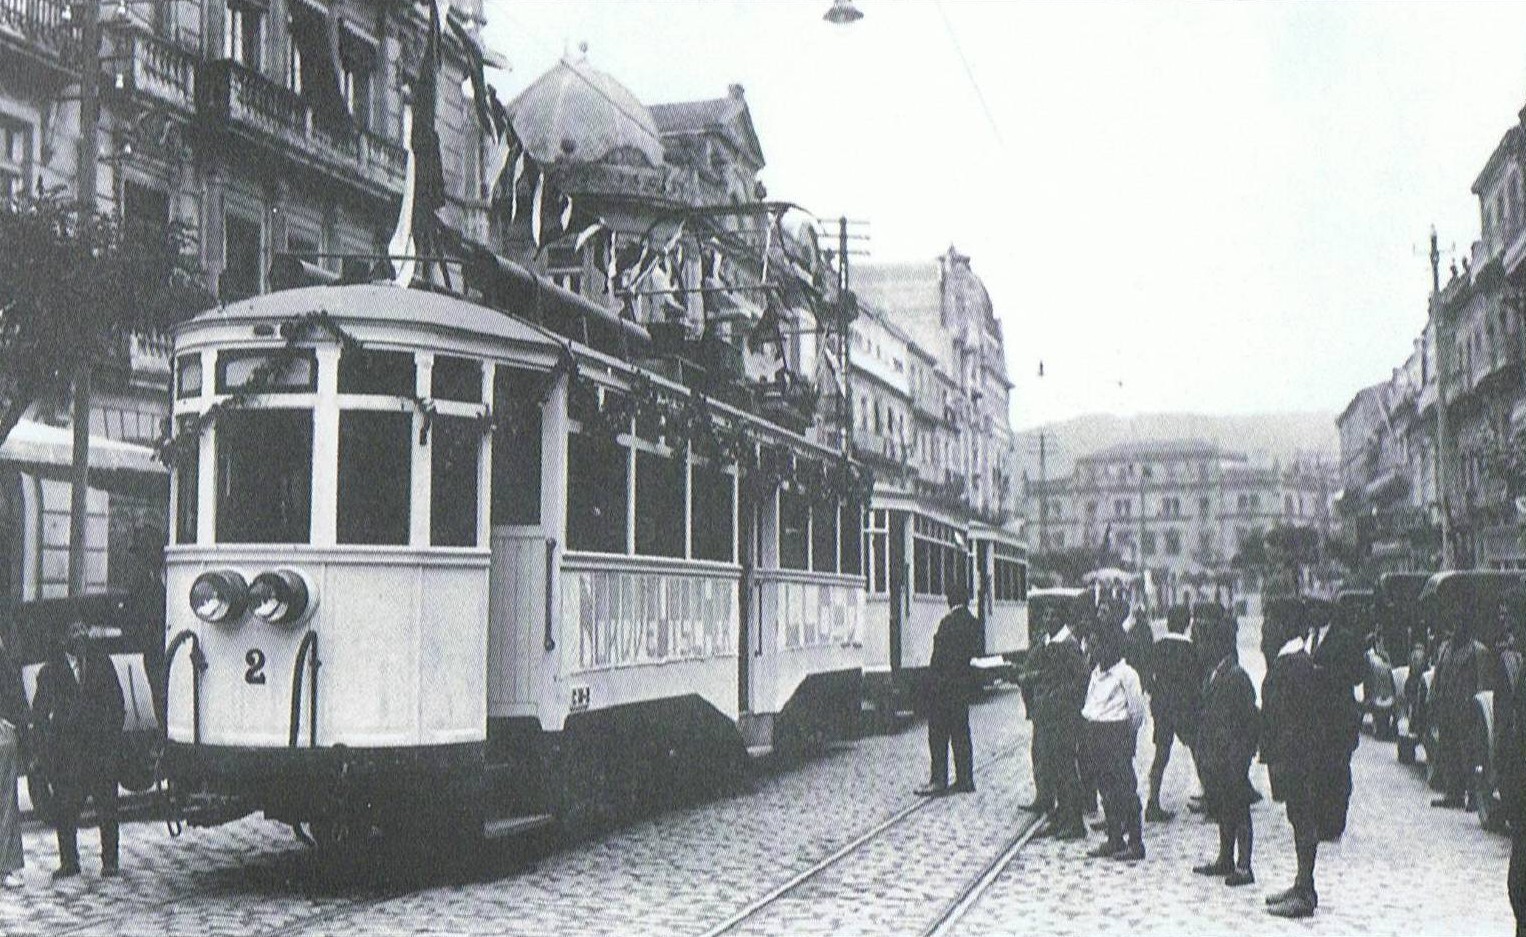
[(1211, 207)]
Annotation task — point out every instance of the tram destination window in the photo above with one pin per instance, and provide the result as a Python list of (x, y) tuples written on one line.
[(713, 535), (375, 477), (455, 445), (516, 446), (296, 374), (458, 379), (794, 521), (661, 493), (264, 476), (385, 373), (187, 485)]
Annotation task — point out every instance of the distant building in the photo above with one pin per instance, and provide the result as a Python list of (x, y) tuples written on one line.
[(1180, 508)]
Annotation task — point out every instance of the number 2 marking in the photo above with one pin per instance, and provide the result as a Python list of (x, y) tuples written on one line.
[(256, 661)]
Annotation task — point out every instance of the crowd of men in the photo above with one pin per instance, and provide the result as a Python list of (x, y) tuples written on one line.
[(1086, 687)]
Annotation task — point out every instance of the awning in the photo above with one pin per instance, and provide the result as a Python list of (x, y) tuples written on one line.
[(49, 450)]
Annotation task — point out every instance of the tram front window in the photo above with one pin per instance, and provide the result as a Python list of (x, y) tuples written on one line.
[(375, 476), (453, 500), (264, 476)]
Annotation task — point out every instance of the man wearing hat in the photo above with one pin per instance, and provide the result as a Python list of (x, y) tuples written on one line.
[(79, 709), (951, 684)]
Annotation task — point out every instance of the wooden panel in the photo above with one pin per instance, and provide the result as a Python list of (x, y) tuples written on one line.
[(516, 618)]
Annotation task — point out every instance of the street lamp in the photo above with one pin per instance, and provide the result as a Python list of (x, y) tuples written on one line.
[(842, 13)]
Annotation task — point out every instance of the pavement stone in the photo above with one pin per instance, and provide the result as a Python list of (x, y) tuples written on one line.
[(1401, 868)]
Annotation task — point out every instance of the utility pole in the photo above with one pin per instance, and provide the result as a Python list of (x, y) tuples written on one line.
[(89, 162), (1443, 454), (1144, 591), (1043, 495)]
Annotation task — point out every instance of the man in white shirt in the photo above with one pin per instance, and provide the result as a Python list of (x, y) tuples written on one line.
[(1113, 712)]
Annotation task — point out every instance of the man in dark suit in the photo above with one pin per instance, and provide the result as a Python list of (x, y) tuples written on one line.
[(1059, 678), (1311, 727), (951, 686), (78, 707), (1173, 680), (1451, 706)]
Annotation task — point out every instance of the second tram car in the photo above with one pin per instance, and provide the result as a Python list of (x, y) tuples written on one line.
[(429, 553)]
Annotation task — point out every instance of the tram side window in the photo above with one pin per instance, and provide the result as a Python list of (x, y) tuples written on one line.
[(596, 494), (850, 539), (660, 497), (455, 448), (824, 538), (794, 519), (712, 535), (516, 446), (375, 476), (879, 561), (187, 487), (264, 476)]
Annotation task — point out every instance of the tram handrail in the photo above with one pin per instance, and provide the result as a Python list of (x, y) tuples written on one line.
[(309, 643), (198, 665), (550, 641)]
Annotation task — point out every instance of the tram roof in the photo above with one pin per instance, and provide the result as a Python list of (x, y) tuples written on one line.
[(408, 308)]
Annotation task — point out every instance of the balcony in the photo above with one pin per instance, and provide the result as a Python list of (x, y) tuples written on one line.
[(145, 64), (246, 102), (40, 29)]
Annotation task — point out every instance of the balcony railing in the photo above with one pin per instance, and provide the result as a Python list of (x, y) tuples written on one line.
[(248, 101), (42, 23), (152, 66)]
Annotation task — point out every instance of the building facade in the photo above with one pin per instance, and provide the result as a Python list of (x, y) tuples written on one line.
[(1181, 509)]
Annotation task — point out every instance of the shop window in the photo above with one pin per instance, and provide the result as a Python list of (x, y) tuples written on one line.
[(187, 485), (264, 476), (824, 538), (596, 494), (713, 534), (455, 449), (794, 523), (384, 373), (375, 476), (516, 446), (661, 494)]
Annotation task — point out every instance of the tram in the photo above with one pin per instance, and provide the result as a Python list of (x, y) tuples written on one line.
[(913, 552), (459, 560)]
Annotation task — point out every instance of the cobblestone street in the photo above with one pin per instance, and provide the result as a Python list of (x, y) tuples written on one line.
[(1402, 867)]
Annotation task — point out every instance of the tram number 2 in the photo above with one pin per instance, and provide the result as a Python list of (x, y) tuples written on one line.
[(255, 675), (580, 698)]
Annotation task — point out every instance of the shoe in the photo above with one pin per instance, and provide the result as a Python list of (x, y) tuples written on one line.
[(1298, 906), (1215, 869), (1291, 893), (1239, 877), (1133, 853), (1155, 813), (1107, 850), (14, 880), (932, 790), (964, 787), (1038, 806), (1099, 826), (1449, 802), (65, 871), (1069, 834), (110, 871)]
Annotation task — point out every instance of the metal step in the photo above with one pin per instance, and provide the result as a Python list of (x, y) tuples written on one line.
[(514, 826)]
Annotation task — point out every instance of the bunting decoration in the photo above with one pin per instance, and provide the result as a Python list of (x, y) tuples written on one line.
[(402, 237), (536, 204), (424, 176), (566, 214)]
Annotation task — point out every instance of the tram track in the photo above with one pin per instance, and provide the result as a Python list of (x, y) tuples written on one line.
[(948, 916)]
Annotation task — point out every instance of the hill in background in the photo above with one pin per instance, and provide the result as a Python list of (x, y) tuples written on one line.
[(1264, 438)]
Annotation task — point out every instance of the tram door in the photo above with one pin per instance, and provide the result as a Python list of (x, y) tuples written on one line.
[(899, 587), (746, 607)]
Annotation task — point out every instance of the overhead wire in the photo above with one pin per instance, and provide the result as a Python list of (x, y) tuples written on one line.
[(969, 72)]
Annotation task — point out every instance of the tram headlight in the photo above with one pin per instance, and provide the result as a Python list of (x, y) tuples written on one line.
[(219, 595), (279, 596)]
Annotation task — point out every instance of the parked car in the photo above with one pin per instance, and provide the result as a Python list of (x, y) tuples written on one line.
[(31, 631)]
